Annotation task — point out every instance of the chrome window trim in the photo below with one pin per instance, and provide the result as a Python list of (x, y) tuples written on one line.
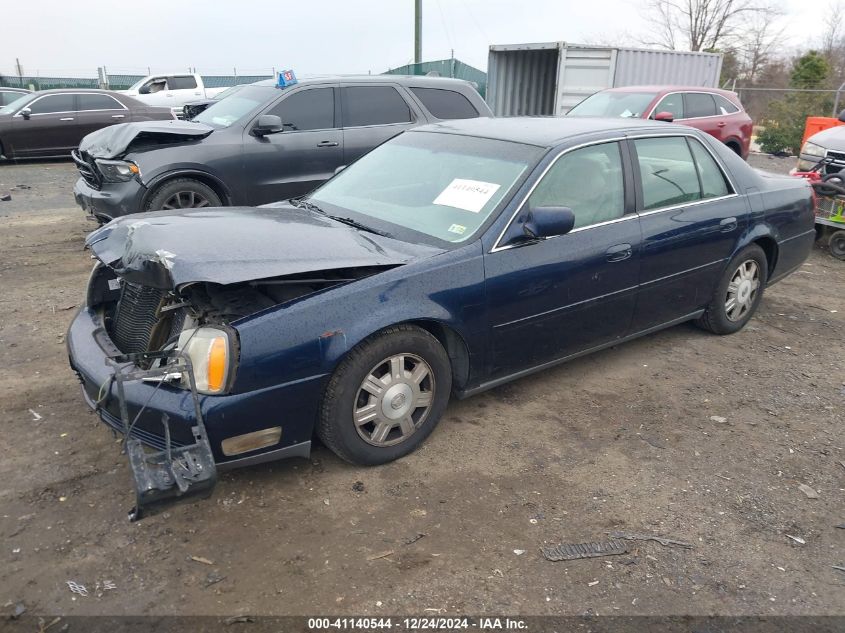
[(522, 202), (675, 207), (628, 216), (695, 118), (74, 94)]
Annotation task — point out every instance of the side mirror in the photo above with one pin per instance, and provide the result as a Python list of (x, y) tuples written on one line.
[(545, 222), (842, 116), (668, 117), (267, 124), (339, 169), (25, 113)]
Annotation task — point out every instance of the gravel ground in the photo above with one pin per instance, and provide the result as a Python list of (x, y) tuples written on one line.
[(701, 438)]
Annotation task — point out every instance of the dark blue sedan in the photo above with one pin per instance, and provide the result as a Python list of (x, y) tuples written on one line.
[(451, 259)]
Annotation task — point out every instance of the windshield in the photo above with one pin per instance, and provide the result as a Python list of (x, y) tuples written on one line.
[(17, 104), (225, 112), (614, 104), (137, 85), (228, 92), (441, 185)]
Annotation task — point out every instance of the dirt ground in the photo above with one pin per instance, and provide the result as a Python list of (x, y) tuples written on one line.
[(696, 437)]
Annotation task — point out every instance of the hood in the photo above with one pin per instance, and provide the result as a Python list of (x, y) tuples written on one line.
[(115, 140), (832, 138), (228, 245)]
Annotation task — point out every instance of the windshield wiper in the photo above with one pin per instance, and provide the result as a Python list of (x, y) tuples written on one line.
[(357, 225), (306, 204)]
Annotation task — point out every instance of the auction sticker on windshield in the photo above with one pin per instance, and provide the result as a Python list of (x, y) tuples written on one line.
[(468, 195)]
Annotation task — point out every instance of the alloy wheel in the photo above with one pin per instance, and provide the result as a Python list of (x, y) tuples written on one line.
[(742, 290), (393, 400), (186, 200)]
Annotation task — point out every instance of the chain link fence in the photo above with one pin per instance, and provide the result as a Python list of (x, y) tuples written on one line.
[(116, 81)]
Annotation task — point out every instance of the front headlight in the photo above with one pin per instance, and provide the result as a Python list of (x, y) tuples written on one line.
[(118, 170), (813, 150), (210, 352)]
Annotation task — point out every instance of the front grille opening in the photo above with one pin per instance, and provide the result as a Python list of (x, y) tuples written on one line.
[(139, 324), (87, 168)]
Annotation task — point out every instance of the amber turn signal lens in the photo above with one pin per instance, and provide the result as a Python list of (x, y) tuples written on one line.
[(217, 363)]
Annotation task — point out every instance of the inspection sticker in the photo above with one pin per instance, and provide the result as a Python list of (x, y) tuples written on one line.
[(460, 229), (469, 195)]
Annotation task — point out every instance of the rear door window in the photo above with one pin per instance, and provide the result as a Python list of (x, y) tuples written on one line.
[(98, 102), (373, 105), (724, 106), (53, 103), (668, 174), (713, 181), (182, 82), (445, 104), (311, 109), (699, 104)]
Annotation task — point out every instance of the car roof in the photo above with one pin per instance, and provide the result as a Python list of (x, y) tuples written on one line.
[(670, 88), (416, 81), (58, 91), (13, 89), (541, 131)]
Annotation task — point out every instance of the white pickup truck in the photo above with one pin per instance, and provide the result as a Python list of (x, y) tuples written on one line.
[(173, 91)]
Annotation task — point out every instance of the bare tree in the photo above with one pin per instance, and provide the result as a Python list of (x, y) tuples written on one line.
[(833, 34), (697, 25), (761, 32)]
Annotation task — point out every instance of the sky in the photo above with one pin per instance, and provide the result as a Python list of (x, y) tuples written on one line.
[(60, 38)]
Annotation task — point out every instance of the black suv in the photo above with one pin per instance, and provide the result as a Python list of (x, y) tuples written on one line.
[(259, 145)]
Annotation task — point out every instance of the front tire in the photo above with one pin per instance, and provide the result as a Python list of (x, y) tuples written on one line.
[(183, 193), (738, 294), (386, 396)]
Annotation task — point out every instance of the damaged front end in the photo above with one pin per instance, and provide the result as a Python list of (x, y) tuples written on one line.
[(183, 339), (164, 306), (172, 473)]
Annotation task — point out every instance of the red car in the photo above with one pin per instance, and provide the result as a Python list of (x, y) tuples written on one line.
[(717, 112)]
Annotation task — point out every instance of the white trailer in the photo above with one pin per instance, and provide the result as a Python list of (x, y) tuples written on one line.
[(552, 77)]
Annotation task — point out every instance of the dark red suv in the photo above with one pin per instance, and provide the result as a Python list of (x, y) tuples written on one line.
[(717, 112)]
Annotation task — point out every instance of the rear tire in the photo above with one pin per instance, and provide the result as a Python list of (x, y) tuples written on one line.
[(386, 396), (738, 294), (837, 244), (183, 193)]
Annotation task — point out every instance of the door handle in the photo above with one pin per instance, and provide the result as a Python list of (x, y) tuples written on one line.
[(721, 124), (67, 118), (327, 144), (117, 116), (727, 225), (619, 253)]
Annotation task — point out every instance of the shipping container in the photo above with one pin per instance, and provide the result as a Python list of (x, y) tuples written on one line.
[(551, 78)]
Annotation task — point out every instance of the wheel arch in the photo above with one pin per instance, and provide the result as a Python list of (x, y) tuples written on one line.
[(734, 144), (763, 236), (770, 248), (206, 178), (454, 344), (333, 353)]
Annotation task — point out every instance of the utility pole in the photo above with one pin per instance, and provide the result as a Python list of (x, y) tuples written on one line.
[(417, 31)]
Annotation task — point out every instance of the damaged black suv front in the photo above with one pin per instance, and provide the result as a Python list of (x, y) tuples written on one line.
[(203, 347), (116, 173)]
